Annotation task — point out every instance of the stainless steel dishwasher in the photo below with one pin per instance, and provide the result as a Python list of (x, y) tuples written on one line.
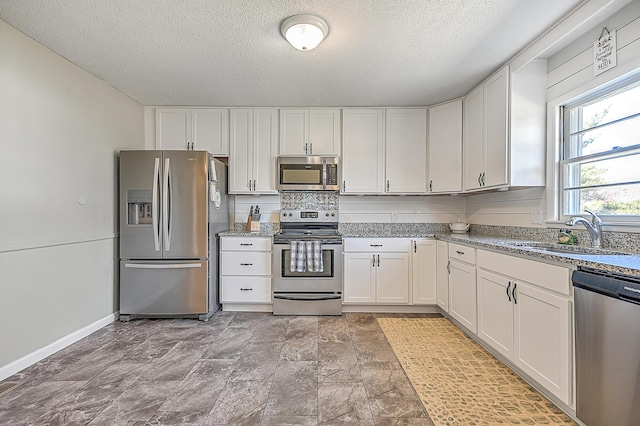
[(607, 320)]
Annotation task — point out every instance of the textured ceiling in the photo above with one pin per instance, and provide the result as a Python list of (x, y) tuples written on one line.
[(231, 53)]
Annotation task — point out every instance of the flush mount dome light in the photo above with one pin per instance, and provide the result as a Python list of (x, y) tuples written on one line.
[(304, 32)]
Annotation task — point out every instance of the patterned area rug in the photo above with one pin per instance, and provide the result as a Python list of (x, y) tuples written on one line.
[(459, 382)]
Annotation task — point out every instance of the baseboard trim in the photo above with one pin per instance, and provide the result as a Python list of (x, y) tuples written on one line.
[(395, 309), (40, 354)]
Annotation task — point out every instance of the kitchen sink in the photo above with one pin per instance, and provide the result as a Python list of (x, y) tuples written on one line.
[(567, 249)]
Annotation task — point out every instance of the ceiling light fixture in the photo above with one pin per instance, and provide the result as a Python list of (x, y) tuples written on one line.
[(304, 32)]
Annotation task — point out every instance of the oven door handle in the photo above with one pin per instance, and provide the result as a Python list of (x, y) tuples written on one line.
[(307, 297)]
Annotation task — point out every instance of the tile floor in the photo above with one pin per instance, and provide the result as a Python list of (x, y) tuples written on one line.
[(235, 369)]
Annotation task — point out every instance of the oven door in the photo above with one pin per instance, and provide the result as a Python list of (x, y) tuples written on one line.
[(329, 280)]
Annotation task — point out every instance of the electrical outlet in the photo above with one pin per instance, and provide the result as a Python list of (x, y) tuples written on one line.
[(536, 217), (394, 217)]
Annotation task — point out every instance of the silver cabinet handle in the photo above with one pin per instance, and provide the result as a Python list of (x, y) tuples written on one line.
[(508, 288), (246, 264), (246, 289)]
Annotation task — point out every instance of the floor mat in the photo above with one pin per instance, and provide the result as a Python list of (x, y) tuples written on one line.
[(459, 382)]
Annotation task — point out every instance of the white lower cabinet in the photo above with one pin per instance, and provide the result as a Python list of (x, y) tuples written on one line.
[(424, 275), (245, 270), (462, 286), (524, 314), (442, 275), (376, 271)]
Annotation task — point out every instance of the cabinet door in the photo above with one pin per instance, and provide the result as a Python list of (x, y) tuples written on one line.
[(324, 132), (406, 151), (241, 151), (359, 278), (462, 294), (542, 346), (424, 272), (173, 128), (442, 275), (445, 147), (363, 151), (496, 104), (294, 131), (472, 145), (495, 312), (392, 271), (210, 127), (265, 133)]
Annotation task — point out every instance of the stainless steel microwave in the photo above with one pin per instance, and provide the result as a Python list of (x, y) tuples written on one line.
[(308, 173)]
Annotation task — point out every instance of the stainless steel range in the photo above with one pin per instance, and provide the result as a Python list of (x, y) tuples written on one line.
[(307, 264)]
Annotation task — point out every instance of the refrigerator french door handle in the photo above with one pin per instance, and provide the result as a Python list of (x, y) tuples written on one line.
[(155, 205), (162, 266), (166, 205)]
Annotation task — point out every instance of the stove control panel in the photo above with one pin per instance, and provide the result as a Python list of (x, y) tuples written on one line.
[(315, 216)]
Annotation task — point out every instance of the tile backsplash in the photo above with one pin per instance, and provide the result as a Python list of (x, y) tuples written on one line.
[(316, 200)]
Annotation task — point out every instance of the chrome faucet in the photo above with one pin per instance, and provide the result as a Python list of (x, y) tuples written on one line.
[(594, 227)]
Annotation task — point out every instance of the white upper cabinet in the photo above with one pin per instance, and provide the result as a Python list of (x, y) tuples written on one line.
[(204, 129), (363, 151), (253, 151), (406, 151), (504, 129), (445, 147), (310, 132)]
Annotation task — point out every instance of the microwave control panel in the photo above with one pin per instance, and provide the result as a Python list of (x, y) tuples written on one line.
[(332, 174)]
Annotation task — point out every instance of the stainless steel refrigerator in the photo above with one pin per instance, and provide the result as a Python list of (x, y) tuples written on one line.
[(172, 206)]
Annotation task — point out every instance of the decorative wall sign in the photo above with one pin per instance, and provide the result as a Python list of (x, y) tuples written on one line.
[(604, 52)]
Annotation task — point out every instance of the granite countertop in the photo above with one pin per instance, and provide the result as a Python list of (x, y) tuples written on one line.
[(267, 233), (622, 263)]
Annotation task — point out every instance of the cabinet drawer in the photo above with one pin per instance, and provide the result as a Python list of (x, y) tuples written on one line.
[(551, 277), (245, 263), (462, 253), (377, 244), (246, 243), (245, 290)]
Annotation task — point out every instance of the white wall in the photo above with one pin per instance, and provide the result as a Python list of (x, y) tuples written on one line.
[(60, 131), (568, 70)]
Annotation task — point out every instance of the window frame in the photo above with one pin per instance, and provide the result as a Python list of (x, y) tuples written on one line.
[(597, 87)]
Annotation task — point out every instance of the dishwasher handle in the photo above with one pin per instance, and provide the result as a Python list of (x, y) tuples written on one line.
[(618, 286)]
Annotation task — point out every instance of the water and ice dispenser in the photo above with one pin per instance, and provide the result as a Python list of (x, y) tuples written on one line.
[(139, 203)]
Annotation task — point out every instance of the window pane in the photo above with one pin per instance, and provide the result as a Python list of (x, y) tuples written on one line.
[(623, 134), (603, 172), (611, 108), (617, 200)]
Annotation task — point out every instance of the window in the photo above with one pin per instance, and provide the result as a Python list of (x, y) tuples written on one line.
[(600, 164)]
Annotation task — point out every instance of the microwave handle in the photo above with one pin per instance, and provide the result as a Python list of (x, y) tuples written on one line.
[(324, 174)]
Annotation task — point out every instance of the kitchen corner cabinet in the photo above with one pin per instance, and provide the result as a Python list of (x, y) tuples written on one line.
[(445, 147), (424, 274), (363, 151), (310, 132), (524, 314), (442, 275), (245, 270), (253, 151), (204, 129), (504, 130), (376, 271), (462, 286), (406, 151)]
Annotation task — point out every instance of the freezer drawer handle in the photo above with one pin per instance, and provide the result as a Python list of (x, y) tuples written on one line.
[(163, 266)]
